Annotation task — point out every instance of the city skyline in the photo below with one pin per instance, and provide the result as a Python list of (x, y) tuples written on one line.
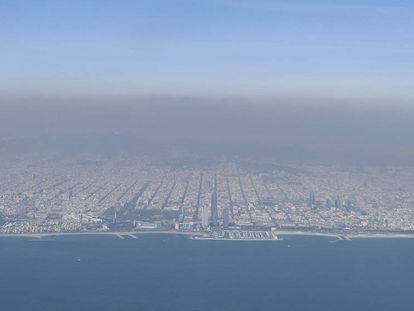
[(223, 200)]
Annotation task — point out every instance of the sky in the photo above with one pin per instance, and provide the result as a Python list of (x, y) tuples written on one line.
[(312, 49)]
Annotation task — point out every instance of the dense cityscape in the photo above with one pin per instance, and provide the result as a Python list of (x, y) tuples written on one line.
[(234, 200)]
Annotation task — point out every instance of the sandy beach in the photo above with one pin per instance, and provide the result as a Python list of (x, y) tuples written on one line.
[(123, 234), (347, 236), (120, 234)]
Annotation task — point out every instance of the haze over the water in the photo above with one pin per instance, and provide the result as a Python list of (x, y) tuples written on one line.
[(289, 80)]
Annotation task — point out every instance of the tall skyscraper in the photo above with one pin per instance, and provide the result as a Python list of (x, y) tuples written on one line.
[(311, 200), (214, 216), (214, 212), (226, 217), (204, 217)]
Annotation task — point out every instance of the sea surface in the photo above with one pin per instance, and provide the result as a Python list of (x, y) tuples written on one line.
[(169, 272)]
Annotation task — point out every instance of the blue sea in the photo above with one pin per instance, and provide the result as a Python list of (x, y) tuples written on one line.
[(168, 272)]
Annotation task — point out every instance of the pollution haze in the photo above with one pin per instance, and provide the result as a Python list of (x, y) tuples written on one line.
[(280, 130), (301, 81)]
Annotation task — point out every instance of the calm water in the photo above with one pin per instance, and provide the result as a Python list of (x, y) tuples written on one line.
[(176, 273)]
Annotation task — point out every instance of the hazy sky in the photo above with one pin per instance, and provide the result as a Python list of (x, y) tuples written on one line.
[(296, 48)]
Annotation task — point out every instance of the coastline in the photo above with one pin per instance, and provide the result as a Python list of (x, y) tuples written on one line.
[(347, 236), (123, 234), (114, 233)]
